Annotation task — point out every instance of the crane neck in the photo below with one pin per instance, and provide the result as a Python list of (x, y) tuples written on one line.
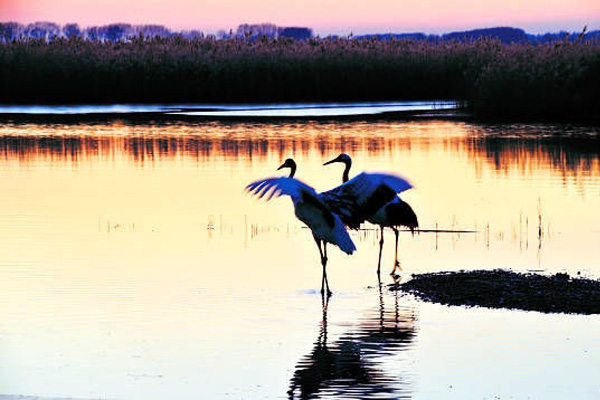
[(346, 171), (292, 171)]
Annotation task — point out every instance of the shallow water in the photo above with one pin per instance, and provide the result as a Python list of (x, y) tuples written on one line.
[(133, 265)]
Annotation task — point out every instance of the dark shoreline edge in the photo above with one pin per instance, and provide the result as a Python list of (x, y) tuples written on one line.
[(447, 114), (459, 114), (559, 293)]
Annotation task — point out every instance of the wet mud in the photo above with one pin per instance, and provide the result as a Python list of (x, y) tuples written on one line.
[(559, 293)]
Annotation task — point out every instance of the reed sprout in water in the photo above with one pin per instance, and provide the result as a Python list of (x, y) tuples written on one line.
[(559, 79)]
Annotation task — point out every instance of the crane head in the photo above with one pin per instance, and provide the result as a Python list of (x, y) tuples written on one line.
[(343, 158), (291, 164)]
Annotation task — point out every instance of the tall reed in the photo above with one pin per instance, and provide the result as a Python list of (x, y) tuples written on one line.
[(558, 79)]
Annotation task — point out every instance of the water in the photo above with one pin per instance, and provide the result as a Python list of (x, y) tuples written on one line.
[(294, 110), (133, 265)]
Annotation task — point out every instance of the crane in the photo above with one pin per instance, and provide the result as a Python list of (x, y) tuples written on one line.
[(326, 226), (386, 210)]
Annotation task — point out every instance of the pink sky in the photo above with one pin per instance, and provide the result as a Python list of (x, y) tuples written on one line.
[(324, 16)]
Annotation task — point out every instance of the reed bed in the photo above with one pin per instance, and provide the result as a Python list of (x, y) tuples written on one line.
[(559, 80)]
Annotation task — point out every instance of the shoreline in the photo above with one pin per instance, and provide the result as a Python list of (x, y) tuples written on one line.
[(559, 293), (260, 112)]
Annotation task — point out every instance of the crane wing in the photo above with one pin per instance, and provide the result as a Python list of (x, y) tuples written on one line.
[(275, 187), (361, 197), (297, 190)]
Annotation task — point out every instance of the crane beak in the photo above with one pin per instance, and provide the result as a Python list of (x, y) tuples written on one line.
[(284, 165), (332, 161)]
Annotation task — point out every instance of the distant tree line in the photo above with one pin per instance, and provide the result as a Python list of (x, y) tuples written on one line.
[(270, 31), (121, 31), (505, 35), (112, 32)]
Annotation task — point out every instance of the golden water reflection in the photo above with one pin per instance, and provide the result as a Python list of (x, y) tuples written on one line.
[(517, 185), (133, 265), (534, 148)]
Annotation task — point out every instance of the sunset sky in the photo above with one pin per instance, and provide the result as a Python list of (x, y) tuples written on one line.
[(324, 16)]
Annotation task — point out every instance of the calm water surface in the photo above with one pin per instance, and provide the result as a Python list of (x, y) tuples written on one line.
[(133, 265)]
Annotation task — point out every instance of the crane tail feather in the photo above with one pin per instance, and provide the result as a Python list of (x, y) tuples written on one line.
[(343, 240)]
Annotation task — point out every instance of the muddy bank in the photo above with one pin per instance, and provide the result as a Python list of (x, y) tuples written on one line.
[(559, 293)]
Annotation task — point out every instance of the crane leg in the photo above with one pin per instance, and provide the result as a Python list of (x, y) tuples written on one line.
[(323, 253), (396, 262), (325, 271), (380, 251)]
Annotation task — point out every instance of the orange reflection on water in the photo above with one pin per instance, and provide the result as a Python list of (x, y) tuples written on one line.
[(135, 243), (256, 141), (510, 186)]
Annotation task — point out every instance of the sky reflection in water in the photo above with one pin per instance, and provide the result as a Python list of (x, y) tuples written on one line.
[(134, 266)]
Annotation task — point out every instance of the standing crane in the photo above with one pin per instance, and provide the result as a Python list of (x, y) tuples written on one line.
[(326, 226), (386, 210)]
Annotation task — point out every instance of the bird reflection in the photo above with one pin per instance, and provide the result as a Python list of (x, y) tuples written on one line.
[(325, 365), (348, 367)]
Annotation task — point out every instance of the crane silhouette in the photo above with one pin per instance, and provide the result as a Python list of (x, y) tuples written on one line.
[(386, 210), (326, 226)]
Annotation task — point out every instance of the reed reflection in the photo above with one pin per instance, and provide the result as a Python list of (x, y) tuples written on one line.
[(572, 156), (350, 366), (531, 148)]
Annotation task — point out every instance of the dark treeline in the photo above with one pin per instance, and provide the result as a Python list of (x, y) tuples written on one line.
[(505, 35), (113, 32), (558, 80), (122, 32)]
